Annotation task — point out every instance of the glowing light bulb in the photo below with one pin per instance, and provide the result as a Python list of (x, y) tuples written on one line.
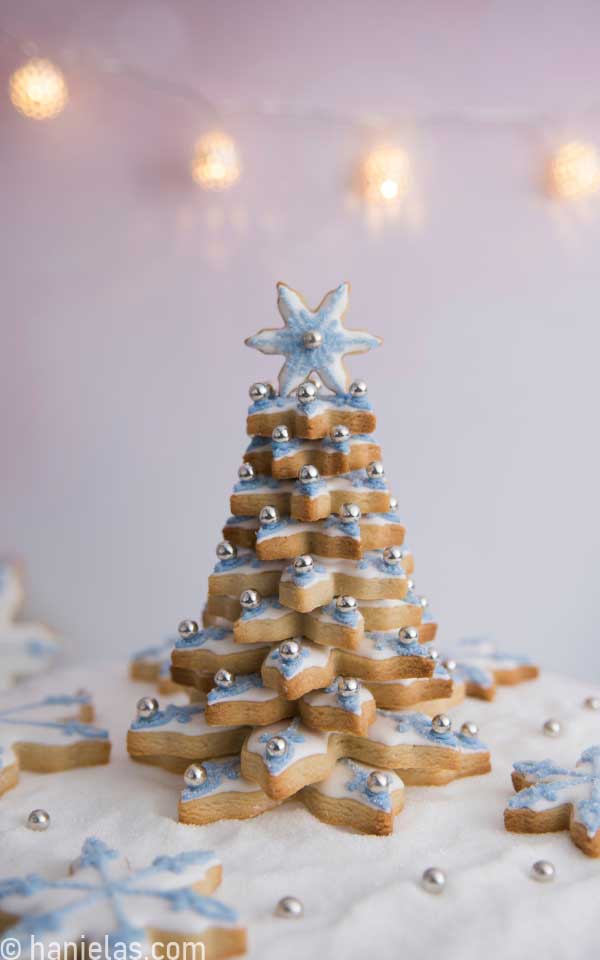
[(38, 90), (575, 170), (386, 174), (216, 164)]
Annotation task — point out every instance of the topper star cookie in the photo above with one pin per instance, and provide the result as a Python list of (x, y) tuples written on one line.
[(313, 340), (550, 797), (48, 735), (165, 903), (26, 648)]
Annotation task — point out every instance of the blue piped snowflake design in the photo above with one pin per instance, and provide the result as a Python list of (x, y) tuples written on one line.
[(349, 618), (216, 772), (326, 359), (350, 529), (249, 681), (161, 718), (556, 786), (160, 653), (420, 724), (390, 640), (359, 478), (28, 721), (374, 559), (291, 734), (165, 889), (358, 783), (289, 667), (210, 634), (350, 703), (476, 659), (267, 603)]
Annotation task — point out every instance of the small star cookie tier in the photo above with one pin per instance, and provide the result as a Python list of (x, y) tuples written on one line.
[(312, 672)]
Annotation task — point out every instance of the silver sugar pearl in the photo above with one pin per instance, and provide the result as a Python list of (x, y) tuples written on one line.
[(226, 550), (312, 339), (187, 629), (290, 908), (276, 747), (393, 556), (308, 473), (339, 433), (259, 391), (469, 729), (147, 707), (543, 871), (268, 516), (441, 723), (38, 820), (552, 728), (378, 782), (289, 650), (433, 654), (195, 775), (306, 393), (357, 388), (347, 686), (245, 472), (408, 635), (423, 601), (250, 599), (433, 880), (592, 703), (281, 434), (344, 603), (450, 665), (375, 470), (303, 564), (224, 679), (349, 512), (393, 504), (410, 585)]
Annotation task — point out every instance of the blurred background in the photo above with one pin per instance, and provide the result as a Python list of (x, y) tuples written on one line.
[(171, 162)]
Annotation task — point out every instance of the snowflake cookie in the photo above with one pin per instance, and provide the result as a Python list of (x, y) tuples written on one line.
[(550, 797), (48, 735), (481, 667), (26, 648), (127, 911)]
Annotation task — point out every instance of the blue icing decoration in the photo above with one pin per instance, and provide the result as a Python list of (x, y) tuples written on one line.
[(556, 786), (326, 358), (216, 772), (381, 640), (249, 681), (348, 618), (223, 566), (264, 533), (305, 578), (358, 784), (267, 603), (469, 673), (24, 715), (156, 652), (202, 637), (289, 667), (350, 529), (359, 478), (350, 704), (285, 448), (259, 406), (342, 446), (259, 480), (311, 489), (375, 559), (291, 735), (257, 443), (171, 712), (122, 896)]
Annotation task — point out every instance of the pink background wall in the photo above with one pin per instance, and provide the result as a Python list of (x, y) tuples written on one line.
[(127, 291)]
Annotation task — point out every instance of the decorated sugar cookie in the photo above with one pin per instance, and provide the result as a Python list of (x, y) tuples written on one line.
[(481, 667), (551, 797), (308, 415), (153, 665), (26, 648), (144, 909), (313, 340), (47, 735)]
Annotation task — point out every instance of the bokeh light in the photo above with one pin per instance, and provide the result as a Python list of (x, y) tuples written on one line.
[(386, 174), (38, 90), (216, 164), (575, 170)]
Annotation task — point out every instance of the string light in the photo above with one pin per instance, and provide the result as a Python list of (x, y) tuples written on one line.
[(216, 165), (386, 174), (38, 90), (575, 170)]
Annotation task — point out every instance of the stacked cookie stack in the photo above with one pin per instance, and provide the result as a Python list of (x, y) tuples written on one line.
[(313, 673)]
